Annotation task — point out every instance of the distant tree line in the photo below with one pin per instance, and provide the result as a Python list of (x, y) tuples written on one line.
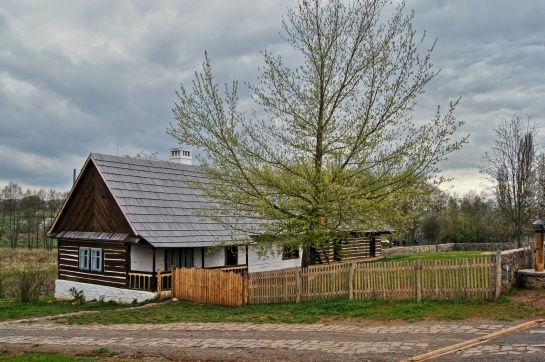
[(515, 196), (25, 216)]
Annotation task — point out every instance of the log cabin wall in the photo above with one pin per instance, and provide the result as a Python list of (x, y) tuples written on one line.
[(116, 262), (357, 248)]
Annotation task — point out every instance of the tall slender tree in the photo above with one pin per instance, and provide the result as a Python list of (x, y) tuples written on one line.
[(329, 140), (510, 168)]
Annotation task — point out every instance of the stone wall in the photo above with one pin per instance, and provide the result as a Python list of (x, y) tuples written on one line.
[(100, 292), (531, 279), (448, 247), (511, 262)]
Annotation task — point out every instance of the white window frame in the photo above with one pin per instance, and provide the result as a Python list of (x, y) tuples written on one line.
[(91, 259), (84, 258)]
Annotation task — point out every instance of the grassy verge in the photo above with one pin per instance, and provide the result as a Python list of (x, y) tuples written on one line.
[(58, 357), (12, 310), (312, 312)]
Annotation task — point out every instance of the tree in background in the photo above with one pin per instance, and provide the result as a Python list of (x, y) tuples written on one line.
[(332, 138), (510, 167), (11, 194), (540, 187), (409, 213), (470, 218), (25, 217)]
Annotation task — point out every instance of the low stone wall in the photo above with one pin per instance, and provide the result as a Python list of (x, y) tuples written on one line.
[(511, 262), (100, 292), (448, 247), (530, 279)]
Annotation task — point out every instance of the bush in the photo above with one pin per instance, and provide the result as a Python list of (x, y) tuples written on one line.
[(26, 274), (27, 284)]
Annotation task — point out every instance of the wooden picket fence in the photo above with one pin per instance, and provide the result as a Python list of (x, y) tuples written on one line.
[(210, 286), (473, 278), (432, 279)]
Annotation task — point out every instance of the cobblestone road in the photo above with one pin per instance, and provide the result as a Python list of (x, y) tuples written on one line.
[(246, 341)]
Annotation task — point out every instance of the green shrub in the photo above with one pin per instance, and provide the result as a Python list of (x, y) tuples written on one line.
[(26, 274), (28, 283)]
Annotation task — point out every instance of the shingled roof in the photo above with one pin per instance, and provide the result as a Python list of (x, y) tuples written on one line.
[(159, 206)]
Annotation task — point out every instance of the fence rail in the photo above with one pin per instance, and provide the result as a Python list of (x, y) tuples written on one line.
[(472, 278), (435, 279)]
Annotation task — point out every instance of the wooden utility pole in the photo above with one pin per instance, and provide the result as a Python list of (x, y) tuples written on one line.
[(538, 243)]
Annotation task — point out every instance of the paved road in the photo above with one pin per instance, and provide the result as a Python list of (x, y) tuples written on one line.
[(279, 342)]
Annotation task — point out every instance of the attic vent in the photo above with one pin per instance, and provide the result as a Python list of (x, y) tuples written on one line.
[(181, 155)]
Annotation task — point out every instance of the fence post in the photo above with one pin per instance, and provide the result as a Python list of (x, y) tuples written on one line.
[(497, 291), (298, 285), (417, 280), (245, 287), (350, 281), (159, 284), (173, 282)]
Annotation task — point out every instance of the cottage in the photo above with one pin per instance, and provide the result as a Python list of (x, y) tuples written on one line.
[(127, 219)]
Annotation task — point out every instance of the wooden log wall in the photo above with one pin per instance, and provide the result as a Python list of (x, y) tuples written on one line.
[(354, 248), (116, 263)]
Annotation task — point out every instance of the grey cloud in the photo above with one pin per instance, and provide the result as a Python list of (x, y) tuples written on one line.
[(100, 76)]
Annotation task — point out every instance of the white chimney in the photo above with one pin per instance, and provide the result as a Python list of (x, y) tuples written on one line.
[(181, 155)]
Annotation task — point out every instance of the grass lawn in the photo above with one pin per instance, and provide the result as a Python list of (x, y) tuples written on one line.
[(318, 311), (506, 308), (10, 310), (100, 355), (434, 256)]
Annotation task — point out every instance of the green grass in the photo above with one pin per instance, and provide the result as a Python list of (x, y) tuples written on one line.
[(50, 357), (434, 256), (317, 311), (10, 310)]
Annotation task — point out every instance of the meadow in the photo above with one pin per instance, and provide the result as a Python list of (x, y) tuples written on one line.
[(26, 275)]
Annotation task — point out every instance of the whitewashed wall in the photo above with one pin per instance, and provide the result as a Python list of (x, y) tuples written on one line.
[(160, 259), (101, 292), (142, 258), (270, 261), (215, 258)]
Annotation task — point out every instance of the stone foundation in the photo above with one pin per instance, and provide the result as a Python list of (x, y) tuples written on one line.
[(101, 292), (531, 279)]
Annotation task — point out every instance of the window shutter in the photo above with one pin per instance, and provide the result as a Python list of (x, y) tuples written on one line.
[(96, 260), (84, 258)]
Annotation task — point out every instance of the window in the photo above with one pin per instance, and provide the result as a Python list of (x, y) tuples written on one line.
[(84, 258), (179, 258), (231, 255), (91, 259), (288, 253)]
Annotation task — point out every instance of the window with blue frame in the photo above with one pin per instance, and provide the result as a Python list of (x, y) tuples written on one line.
[(91, 259)]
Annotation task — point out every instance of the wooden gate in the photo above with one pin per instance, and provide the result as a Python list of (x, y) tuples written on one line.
[(210, 286)]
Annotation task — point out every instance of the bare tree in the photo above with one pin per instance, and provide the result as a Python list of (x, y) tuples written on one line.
[(510, 167)]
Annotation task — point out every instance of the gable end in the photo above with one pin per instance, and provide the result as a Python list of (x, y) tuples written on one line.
[(91, 207)]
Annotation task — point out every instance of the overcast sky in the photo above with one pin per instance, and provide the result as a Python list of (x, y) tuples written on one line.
[(100, 76)]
